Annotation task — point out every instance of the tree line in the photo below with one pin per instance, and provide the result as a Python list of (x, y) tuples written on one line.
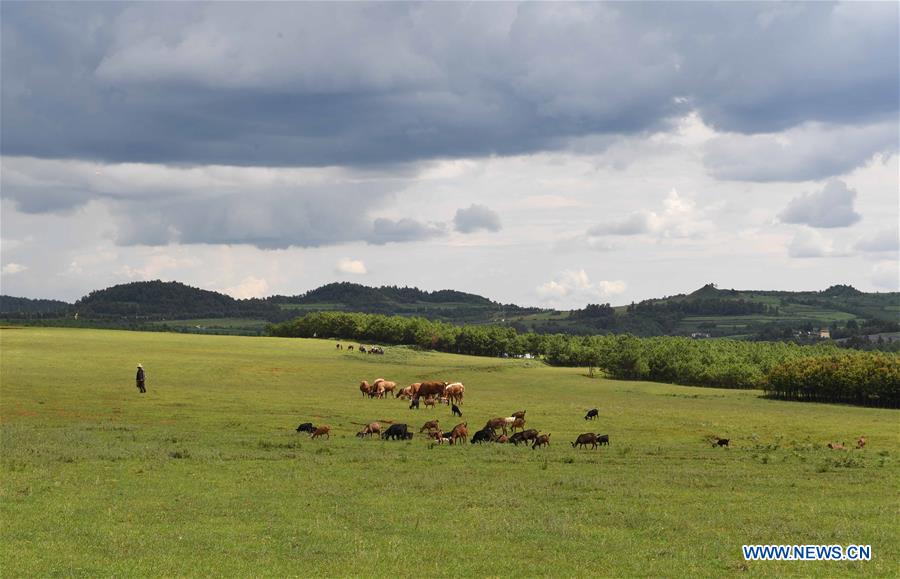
[(679, 360)]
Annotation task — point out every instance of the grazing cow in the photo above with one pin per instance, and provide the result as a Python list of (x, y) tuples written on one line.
[(518, 423), (603, 439), (455, 392), (455, 411), (542, 440), (338, 346), (592, 414), (721, 442), (430, 426), (362, 349), (387, 385), (519, 414), (349, 348), (484, 435), (837, 446), (306, 427), (429, 402), (427, 389), (459, 432), (414, 403), (370, 429), (377, 390), (585, 439), (365, 388), (396, 432), (405, 393), (861, 442), (322, 431)]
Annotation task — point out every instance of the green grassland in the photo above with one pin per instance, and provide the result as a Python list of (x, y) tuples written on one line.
[(204, 474)]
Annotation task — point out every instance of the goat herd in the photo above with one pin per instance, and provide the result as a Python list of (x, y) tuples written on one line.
[(510, 429)]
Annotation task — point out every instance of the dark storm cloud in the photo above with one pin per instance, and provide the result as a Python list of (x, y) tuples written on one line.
[(303, 84)]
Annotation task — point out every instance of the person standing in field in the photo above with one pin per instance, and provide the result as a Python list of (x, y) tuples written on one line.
[(140, 379)]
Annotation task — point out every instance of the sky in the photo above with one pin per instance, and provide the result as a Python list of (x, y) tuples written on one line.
[(544, 154)]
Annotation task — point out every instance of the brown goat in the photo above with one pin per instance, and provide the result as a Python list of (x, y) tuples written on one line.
[(861, 443), (459, 432), (519, 414), (322, 431), (541, 440), (430, 426), (370, 429)]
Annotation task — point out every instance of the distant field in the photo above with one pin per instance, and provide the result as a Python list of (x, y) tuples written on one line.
[(217, 325), (205, 475)]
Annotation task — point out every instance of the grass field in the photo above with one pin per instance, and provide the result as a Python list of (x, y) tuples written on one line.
[(204, 475)]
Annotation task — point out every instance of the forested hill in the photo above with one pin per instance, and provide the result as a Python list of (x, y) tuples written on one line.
[(10, 304), (448, 305)]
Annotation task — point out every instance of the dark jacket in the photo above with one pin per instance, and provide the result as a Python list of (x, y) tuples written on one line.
[(140, 375)]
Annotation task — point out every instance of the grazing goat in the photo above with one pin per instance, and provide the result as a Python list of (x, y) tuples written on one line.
[(396, 432), (721, 442), (459, 432), (306, 427), (585, 439), (484, 435), (430, 426), (519, 414), (603, 439), (455, 411), (322, 431), (592, 414), (861, 443), (370, 429), (542, 440)]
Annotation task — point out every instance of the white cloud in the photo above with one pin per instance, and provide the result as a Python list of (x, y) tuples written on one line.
[(575, 286), (679, 218), (811, 243), (249, 287), (476, 218), (13, 268), (351, 266)]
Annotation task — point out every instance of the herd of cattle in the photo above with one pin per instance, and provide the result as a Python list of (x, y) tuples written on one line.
[(502, 429)]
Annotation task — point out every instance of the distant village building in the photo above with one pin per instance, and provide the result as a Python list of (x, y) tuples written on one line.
[(699, 335), (825, 334)]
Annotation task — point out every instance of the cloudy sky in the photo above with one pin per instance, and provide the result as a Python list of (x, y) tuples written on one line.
[(542, 153)]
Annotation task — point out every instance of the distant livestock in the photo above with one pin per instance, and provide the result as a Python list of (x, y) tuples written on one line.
[(524, 437), (837, 446), (484, 435), (397, 432), (414, 403), (542, 440), (585, 439), (592, 414), (721, 442), (454, 392), (455, 411), (603, 439), (306, 427), (369, 430), (322, 431), (459, 432), (518, 414), (861, 443)]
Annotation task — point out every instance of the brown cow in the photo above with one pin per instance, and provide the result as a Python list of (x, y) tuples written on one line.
[(519, 414), (388, 386), (459, 432), (322, 431), (365, 388), (542, 440), (430, 425), (861, 442), (370, 429), (405, 393), (427, 389)]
